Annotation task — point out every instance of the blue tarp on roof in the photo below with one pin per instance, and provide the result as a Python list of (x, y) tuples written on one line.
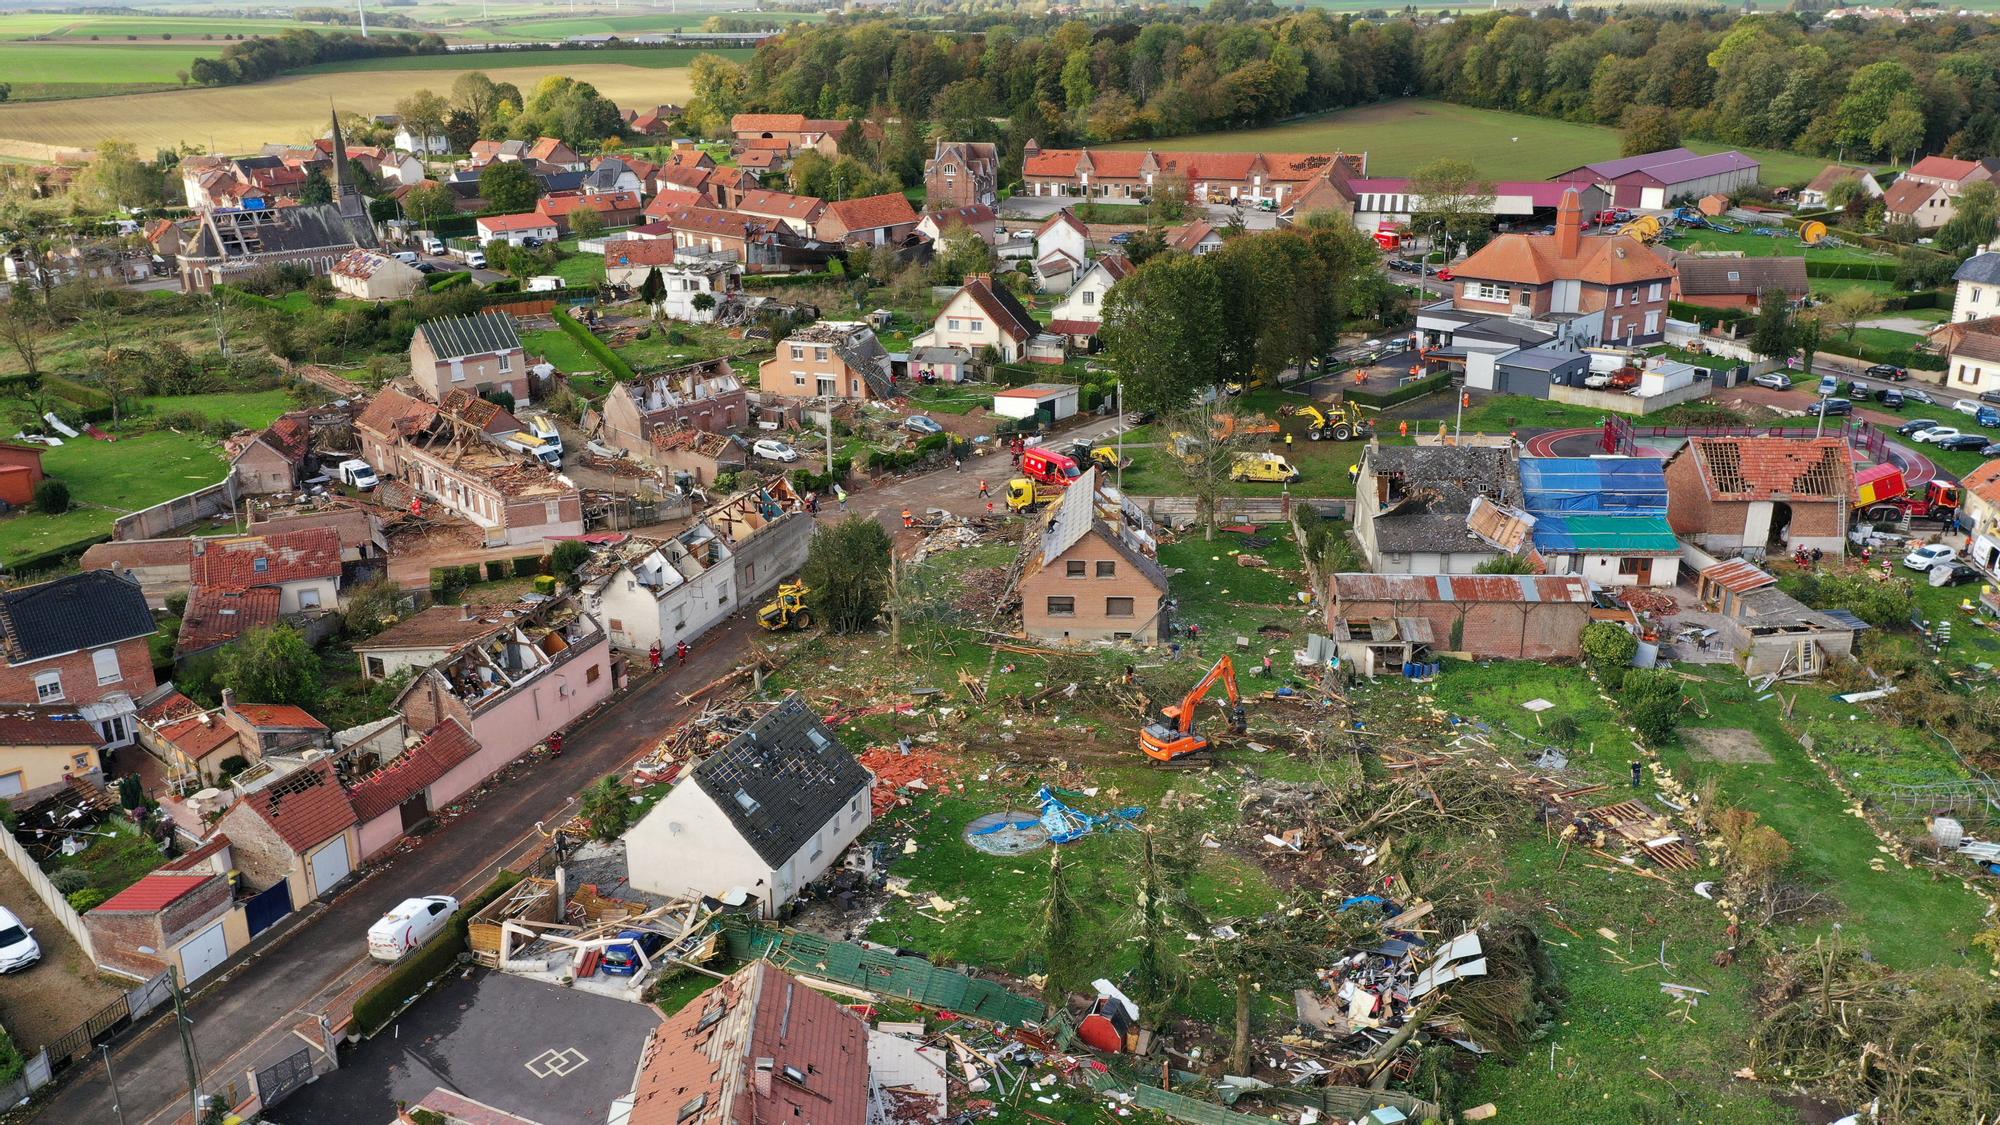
[(1597, 505)]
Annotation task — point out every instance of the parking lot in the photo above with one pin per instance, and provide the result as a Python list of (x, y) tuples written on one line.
[(539, 1050)]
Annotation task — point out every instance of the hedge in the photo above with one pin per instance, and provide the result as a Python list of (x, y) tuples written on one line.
[(527, 566), (786, 280), (1853, 271), (89, 402), (248, 298), (1705, 316), (1901, 357), (1404, 393), (415, 973), (588, 341), (449, 281), (1925, 299)]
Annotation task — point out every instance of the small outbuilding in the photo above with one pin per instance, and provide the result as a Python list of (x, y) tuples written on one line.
[(1045, 402)]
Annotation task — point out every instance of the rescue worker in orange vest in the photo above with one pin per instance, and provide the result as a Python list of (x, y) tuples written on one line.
[(907, 521)]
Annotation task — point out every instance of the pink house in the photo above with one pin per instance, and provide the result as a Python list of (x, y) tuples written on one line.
[(537, 676), (394, 800)]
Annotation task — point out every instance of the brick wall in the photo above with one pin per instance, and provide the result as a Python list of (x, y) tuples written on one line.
[(1507, 630), (261, 470), (117, 938), (1091, 618), (428, 705), (79, 675), (262, 856), (191, 912)]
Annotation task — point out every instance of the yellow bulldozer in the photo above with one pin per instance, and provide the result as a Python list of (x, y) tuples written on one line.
[(1332, 421), (788, 610)]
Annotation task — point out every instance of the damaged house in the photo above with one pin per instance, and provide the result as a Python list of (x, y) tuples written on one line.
[(706, 396), (538, 674), (764, 815), (1089, 575), (1439, 509), (1759, 495), (661, 591), (830, 359), (449, 456), (1602, 517), (1386, 619), (1771, 632), (767, 531)]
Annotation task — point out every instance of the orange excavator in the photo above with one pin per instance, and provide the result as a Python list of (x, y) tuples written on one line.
[(1174, 741)]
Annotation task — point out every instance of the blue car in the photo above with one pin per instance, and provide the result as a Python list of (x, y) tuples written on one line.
[(621, 958), (1121, 238)]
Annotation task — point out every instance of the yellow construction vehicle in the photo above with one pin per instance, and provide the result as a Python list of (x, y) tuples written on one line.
[(1267, 468), (1338, 421), (1645, 228), (788, 610), (1174, 741), (1024, 495), (1104, 457)]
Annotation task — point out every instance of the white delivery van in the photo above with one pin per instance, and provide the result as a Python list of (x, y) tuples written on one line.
[(544, 427), (525, 442), (431, 243), (357, 473), (413, 922), (476, 259), (407, 257)]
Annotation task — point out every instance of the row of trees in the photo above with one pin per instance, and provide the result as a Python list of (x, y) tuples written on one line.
[(478, 107), (264, 56)]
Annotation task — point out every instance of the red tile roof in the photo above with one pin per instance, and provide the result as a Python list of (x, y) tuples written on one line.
[(266, 560), (216, 617), (533, 220), (782, 205), (168, 708), (306, 807), (557, 206), (760, 159), (1984, 482), (197, 739), (414, 772), (553, 151), (873, 211), (26, 725), (638, 252), (1905, 196), (1074, 327), (1766, 468), (708, 220), (670, 200), (395, 414), (277, 716), (1944, 168), (768, 123), (153, 893), (289, 435)]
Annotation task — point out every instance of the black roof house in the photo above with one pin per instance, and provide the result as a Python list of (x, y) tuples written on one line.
[(781, 780), (83, 611)]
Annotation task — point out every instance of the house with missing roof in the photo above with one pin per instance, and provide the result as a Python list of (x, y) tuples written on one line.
[(1760, 495), (705, 395), (759, 1047), (41, 747), (828, 359), (400, 796), (1439, 509), (271, 460), (1770, 632), (1376, 619), (1090, 575), (427, 636), (1604, 518), (661, 591), (763, 816), (80, 641), (298, 830)]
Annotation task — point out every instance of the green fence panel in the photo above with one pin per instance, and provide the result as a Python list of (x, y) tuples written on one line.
[(878, 970)]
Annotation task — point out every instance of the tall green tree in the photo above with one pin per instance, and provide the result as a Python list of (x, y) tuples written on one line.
[(1648, 128), (1772, 338), (1163, 331), (508, 186), (315, 190), (847, 572), (585, 223), (272, 665), (1066, 960), (427, 203), (1452, 199)]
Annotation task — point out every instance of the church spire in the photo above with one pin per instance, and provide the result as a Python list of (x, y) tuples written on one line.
[(346, 194)]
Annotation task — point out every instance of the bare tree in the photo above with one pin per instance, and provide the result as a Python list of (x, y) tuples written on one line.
[(1204, 457), (23, 325)]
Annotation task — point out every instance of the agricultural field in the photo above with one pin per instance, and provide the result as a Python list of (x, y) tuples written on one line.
[(559, 27), (293, 108), (80, 69), (650, 58), (1402, 136), (83, 26)]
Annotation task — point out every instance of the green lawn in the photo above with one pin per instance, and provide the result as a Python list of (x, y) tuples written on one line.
[(252, 409), (1229, 599), (51, 66), (109, 480), (948, 399), (1404, 135), (581, 271), (1762, 246)]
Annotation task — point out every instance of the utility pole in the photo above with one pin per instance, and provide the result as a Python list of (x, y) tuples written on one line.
[(221, 329), (186, 1026), (829, 440), (116, 1102), (1119, 389), (361, 7)]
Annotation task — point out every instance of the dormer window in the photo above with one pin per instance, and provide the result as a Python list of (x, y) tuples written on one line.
[(261, 565)]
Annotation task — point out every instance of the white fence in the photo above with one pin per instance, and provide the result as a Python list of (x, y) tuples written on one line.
[(59, 906)]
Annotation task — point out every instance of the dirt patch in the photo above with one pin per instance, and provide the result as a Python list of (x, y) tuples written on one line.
[(1729, 745), (58, 993)]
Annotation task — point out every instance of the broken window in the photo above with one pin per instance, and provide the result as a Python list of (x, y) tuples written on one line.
[(1062, 607)]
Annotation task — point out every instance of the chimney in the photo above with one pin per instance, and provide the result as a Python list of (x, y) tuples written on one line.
[(764, 1067), (228, 699), (1569, 225)]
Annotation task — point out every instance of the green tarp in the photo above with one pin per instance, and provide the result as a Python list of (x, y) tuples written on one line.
[(880, 971)]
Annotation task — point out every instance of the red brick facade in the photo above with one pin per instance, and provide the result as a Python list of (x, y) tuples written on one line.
[(118, 935), (79, 675)]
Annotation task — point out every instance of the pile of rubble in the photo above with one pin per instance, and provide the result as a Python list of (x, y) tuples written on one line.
[(900, 772)]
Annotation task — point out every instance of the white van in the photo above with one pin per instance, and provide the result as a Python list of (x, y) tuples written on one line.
[(356, 473), (413, 922), (432, 244), (546, 283), (544, 427), (535, 447), (476, 259), (407, 257)]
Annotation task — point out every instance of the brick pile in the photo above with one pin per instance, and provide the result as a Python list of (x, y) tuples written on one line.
[(895, 771)]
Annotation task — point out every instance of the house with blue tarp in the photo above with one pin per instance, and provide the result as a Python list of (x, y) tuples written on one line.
[(1604, 518)]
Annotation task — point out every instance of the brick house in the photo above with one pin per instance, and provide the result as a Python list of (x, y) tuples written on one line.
[(982, 315), (183, 917), (391, 419), (702, 456), (303, 565), (1737, 283), (1759, 495), (80, 640), (1536, 274), (753, 242), (874, 220), (42, 747), (1922, 204), (1213, 177), (615, 208), (513, 499), (1486, 616), (799, 213), (1087, 576), (298, 829), (962, 174), (830, 359), (20, 472), (1971, 354), (479, 353), (706, 395), (270, 461)]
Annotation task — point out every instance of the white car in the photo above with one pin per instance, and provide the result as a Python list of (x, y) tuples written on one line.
[(413, 922), (1967, 406), (1924, 558), (774, 450), (359, 474), (18, 950), (1772, 379), (1935, 434)]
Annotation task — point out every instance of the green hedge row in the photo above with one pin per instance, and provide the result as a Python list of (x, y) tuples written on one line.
[(414, 973), (246, 297), (786, 280), (588, 341), (1901, 357), (808, 480), (1853, 271), (1703, 315), (90, 403), (449, 281), (1404, 393), (1927, 299)]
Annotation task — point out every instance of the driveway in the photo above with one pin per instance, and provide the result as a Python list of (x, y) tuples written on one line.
[(50, 999), (545, 1052)]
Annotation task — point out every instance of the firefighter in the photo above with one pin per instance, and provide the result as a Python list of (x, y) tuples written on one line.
[(681, 651), (653, 654), (907, 521), (555, 745)]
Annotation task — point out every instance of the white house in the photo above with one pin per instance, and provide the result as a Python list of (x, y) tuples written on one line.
[(1972, 354), (1081, 311), (662, 591), (1978, 279), (428, 146), (1062, 251), (765, 815), (982, 315), (516, 229), (1052, 401)]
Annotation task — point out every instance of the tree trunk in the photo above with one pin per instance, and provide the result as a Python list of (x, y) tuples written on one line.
[(1239, 1052)]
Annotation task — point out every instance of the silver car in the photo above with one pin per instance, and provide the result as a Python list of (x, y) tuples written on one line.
[(18, 949)]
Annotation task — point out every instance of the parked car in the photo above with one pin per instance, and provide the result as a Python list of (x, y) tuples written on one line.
[(1891, 398), (432, 244), (1887, 371), (923, 424), (1831, 407), (1444, 273), (1924, 558), (1990, 450), (1912, 394), (1860, 391), (1916, 426), (1987, 416), (18, 949), (413, 922), (1961, 442), (772, 450), (476, 259), (1952, 574), (1967, 406), (1121, 238), (358, 474), (621, 958), (1990, 396), (1775, 380), (407, 257), (1936, 434)]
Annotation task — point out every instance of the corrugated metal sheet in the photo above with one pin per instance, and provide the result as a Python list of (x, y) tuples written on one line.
[(1737, 576), (1554, 588)]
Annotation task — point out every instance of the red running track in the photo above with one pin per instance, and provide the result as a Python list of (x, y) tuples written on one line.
[(1918, 469)]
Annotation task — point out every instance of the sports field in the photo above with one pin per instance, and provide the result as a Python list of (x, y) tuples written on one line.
[(293, 109), (1404, 135)]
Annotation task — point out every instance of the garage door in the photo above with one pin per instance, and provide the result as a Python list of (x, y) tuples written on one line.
[(329, 866), (204, 952)]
